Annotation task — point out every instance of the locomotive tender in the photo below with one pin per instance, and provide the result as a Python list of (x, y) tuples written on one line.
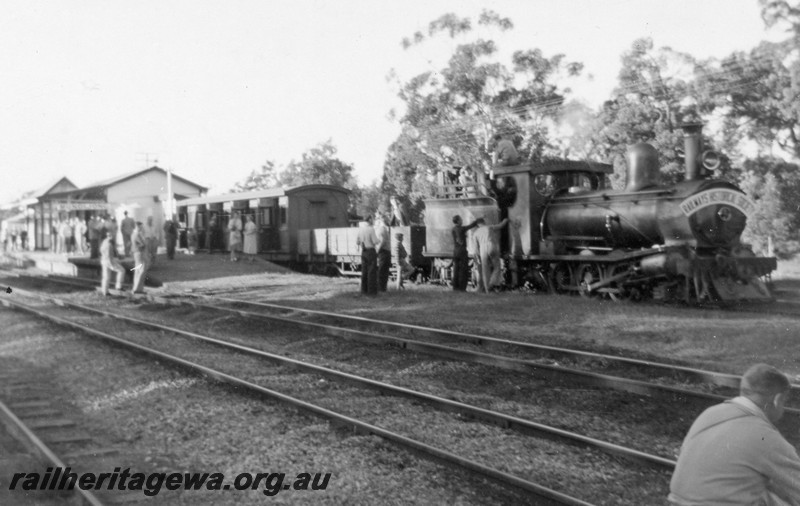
[(569, 232)]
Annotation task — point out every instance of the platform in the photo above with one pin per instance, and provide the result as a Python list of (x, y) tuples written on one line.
[(184, 268)]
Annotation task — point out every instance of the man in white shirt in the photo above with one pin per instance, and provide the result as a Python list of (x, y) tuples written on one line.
[(368, 241), (733, 454), (141, 259), (108, 263), (487, 253)]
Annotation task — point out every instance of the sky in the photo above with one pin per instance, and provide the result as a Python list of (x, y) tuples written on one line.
[(91, 89)]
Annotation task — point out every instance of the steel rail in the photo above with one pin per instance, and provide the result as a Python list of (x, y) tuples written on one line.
[(487, 415), (698, 375), (358, 425), (31, 441), (542, 371)]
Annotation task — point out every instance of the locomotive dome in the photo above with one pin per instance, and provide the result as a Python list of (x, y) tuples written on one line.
[(642, 166)]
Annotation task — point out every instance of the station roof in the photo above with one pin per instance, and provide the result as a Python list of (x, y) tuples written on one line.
[(101, 185), (259, 194), (32, 197), (44, 190), (124, 177)]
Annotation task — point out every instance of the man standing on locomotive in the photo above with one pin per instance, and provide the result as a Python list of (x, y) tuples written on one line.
[(367, 240), (504, 152), (384, 252), (733, 454)]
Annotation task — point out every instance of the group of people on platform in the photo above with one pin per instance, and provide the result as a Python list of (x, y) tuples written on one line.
[(141, 240), (15, 238), (242, 237)]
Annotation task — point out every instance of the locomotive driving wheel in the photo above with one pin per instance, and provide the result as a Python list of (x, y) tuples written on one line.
[(587, 275), (616, 290), (560, 277)]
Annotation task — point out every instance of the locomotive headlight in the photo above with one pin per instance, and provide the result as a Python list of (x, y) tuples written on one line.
[(724, 213)]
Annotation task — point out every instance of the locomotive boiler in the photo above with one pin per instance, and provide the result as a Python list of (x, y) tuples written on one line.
[(569, 232)]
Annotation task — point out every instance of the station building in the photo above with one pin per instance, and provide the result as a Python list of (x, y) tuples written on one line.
[(142, 194)]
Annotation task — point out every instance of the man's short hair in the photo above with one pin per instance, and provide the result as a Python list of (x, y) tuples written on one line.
[(456, 218), (764, 379), (480, 221)]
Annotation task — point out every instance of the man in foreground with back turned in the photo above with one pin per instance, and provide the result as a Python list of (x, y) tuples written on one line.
[(733, 453)]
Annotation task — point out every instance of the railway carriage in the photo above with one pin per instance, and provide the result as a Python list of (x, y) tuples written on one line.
[(306, 227), (278, 213)]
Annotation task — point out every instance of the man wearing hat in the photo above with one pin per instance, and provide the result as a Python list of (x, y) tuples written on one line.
[(404, 269)]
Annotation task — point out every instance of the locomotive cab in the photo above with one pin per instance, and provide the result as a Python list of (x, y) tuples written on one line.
[(524, 192)]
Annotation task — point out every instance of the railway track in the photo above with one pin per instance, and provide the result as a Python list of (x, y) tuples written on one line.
[(581, 371), (290, 315), (27, 437), (357, 424)]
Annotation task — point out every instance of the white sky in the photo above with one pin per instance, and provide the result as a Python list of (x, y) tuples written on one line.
[(212, 89)]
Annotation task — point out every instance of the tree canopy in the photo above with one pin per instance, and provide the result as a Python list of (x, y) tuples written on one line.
[(451, 113)]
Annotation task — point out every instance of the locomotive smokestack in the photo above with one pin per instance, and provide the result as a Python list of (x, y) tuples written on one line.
[(692, 142)]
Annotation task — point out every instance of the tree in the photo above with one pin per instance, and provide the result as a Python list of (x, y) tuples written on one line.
[(319, 165), (758, 92), (262, 179), (655, 95), (769, 221), (781, 12), (451, 113)]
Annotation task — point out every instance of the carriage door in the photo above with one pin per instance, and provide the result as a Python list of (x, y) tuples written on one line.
[(268, 239), (200, 223), (318, 214)]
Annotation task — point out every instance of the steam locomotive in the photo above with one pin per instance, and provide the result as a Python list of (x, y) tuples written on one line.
[(570, 232)]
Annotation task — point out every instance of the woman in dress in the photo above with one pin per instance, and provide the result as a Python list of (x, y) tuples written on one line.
[(250, 238), (235, 239)]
